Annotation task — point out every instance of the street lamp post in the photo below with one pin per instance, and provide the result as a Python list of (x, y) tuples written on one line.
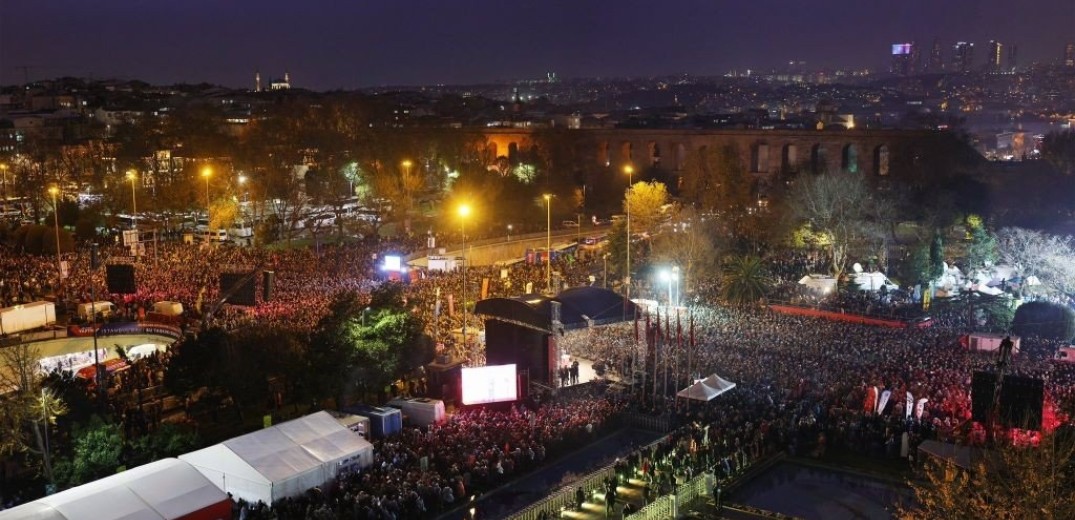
[(509, 231), (548, 242), (630, 171), (464, 211), (206, 173), (605, 278), (133, 177), (55, 191), (675, 278)]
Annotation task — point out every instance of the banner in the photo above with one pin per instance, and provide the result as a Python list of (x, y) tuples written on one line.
[(870, 402), (884, 401), (876, 397), (910, 406), (451, 305), (921, 407), (485, 288)]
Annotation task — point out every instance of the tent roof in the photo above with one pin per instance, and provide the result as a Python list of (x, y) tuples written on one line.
[(576, 304), (165, 489), (706, 389), (277, 453)]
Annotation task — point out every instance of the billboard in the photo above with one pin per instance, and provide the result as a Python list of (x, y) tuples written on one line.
[(901, 49), (393, 263), (489, 384)]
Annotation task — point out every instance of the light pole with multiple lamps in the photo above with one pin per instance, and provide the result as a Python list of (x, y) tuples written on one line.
[(670, 277), (133, 177), (548, 242), (464, 212)]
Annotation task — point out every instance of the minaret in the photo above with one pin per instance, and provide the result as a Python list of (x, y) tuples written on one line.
[(257, 81), (287, 79)]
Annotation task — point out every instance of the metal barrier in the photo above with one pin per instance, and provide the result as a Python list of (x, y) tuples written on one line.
[(661, 424), (564, 498), (663, 508)]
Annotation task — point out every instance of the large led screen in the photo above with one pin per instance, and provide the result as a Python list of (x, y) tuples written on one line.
[(489, 384)]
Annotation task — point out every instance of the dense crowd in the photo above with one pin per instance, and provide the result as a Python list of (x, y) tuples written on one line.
[(802, 382)]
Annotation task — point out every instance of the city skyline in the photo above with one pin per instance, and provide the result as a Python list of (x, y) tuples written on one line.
[(325, 46)]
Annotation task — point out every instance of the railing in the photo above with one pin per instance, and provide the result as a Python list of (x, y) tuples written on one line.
[(564, 498), (661, 424), (661, 509)]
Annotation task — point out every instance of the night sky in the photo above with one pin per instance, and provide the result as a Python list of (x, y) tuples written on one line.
[(358, 43)]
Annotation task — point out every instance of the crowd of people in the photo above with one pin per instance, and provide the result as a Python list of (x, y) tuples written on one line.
[(802, 382)]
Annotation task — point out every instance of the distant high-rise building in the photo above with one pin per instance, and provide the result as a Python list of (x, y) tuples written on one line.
[(902, 59), (936, 58), (962, 56), (992, 62), (257, 81), (1069, 55), (1013, 57)]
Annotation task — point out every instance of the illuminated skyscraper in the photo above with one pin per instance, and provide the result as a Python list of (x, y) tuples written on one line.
[(992, 63), (1069, 55), (1013, 57), (902, 59), (963, 57)]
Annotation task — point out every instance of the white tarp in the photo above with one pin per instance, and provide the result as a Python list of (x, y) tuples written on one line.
[(820, 283), (284, 460), (161, 490), (718, 383)]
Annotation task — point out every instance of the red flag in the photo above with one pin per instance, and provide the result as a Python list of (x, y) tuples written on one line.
[(636, 327), (658, 335), (647, 330), (667, 328)]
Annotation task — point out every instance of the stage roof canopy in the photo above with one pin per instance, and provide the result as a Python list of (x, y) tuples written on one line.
[(579, 307)]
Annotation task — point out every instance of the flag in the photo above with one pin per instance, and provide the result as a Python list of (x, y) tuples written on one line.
[(885, 396), (679, 332), (485, 288), (636, 327), (451, 305), (871, 398), (910, 406), (667, 328), (921, 407)]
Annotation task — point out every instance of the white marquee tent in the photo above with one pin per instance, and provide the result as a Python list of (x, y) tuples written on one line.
[(163, 490), (284, 460), (706, 389)]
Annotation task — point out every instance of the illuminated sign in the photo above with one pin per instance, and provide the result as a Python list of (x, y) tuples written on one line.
[(901, 49), (393, 263)]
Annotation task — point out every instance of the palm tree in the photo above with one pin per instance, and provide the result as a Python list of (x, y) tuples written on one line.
[(744, 280)]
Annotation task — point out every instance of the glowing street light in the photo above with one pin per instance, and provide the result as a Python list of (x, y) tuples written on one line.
[(464, 212), (670, 277), (55, 191), (206, 173), (133, 177), (548, 242), (630, 171)]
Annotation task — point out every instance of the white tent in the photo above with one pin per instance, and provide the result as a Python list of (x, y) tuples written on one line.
[(162, 490), (699, 392), (819, 283), (873, 281), (706, 389), (284, 460), (718, 383)]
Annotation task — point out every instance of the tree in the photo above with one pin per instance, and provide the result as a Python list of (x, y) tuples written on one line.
[(1059, 149), (97, 452), (30, 410), (839, 206), (744, 280), (645, 202), (1033, 253), (1009, 482), (689, 245), (982, 250), (1045, 320)]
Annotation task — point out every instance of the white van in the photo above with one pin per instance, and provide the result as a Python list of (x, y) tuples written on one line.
[(203, 236), (103, 310)]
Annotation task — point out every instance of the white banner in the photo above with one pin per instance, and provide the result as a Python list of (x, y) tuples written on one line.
[(885, 396), (910, 406), (921, 407)]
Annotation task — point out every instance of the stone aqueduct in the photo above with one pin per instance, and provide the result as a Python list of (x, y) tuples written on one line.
[(764, 152)]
